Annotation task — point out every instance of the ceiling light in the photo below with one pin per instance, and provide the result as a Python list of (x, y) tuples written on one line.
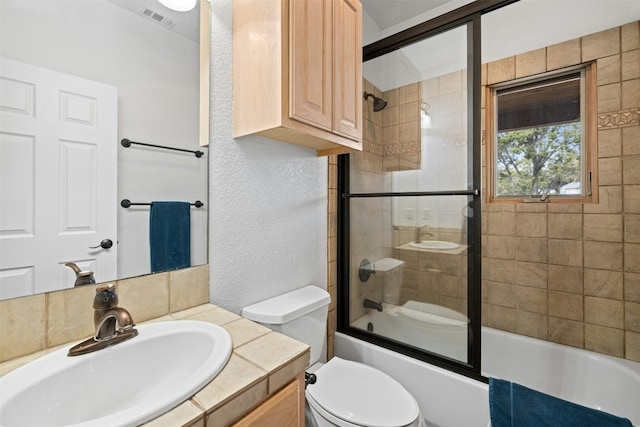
[(179, 5)]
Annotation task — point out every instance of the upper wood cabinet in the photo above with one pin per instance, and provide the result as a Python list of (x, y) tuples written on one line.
[(297, 72)]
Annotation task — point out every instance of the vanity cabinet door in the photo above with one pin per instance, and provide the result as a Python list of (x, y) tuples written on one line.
[(347, 68), (311, 82), (283, 409)]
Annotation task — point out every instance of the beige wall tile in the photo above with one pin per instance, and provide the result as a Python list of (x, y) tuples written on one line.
[(531, 224), (603, 227), (188, 287), (631, 140), (632, 198), (565, 252), (603, 255), (631, 169), (565, 226), (631, 65), (566, 306), (501, 247), (609, 98), (531, 208), (598, 45), (451, 82), (632, 316), (603, 283), (604, 312), (610, 143), (70, 315), (608, 70), (135, 295), (532, 274), (632, 257), (502, 294), (630, 94), (632, 346), (390, 116), (632, 287), (610, 171), (18, 337), (501, 270), (532, 62), (532, 324), (565, 278), (610, 201), (567, 332), (501, 70), (532, 299), (532, 249), (630, 35), (565, 208), (603, 339), (502, 223), (563, 54), (632, 228), (408, 93), (502, 318)]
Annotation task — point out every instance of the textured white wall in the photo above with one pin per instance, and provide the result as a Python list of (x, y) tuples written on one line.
[(268, 199)]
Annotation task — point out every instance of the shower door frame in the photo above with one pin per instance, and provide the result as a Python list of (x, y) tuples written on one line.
[(469, 16)]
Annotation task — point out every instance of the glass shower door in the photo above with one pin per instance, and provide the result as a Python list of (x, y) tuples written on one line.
[(408, 201)]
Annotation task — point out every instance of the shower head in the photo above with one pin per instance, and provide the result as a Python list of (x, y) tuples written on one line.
[(378, 103)]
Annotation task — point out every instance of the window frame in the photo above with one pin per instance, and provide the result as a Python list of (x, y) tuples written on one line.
[(589, 148)]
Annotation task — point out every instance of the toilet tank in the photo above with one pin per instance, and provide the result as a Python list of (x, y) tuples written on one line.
[(299, 314)]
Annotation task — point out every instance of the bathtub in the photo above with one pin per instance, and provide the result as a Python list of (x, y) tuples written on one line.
[(448, 399)]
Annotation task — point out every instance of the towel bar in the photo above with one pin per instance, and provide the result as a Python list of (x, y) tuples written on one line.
[(125, 203)]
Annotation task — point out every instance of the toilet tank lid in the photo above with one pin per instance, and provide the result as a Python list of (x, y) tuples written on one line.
[(288, 306)]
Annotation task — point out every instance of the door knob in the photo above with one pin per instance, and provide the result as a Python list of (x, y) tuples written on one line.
[(105, 244)]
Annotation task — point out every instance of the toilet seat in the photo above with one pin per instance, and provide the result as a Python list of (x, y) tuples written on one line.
[(349, 393)]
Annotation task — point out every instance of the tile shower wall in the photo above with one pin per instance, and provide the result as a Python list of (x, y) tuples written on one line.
[(563, 273), (570, 273)]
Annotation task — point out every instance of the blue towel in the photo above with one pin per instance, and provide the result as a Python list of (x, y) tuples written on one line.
[(513, 405), (170, 235)]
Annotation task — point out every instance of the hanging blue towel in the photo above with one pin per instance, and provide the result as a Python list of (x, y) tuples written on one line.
[(513, 405), (170, 235)]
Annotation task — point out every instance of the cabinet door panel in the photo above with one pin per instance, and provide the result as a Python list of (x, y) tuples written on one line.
[(310, 62), (347, 68)]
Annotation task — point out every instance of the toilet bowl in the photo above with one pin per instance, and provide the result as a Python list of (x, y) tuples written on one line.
[(346, 393)]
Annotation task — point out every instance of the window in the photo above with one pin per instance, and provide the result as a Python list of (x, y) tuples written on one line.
[(540, 138)]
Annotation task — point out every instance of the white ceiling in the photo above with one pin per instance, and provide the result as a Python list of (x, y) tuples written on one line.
[(187, 24), (387, 13)]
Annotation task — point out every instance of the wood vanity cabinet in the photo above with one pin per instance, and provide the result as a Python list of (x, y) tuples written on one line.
[(297, 72), (283, 409)]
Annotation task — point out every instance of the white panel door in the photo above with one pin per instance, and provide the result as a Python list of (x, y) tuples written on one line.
[(58, 178)]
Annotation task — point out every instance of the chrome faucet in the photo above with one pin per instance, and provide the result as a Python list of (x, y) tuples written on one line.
[(367, 303), (113, 324)]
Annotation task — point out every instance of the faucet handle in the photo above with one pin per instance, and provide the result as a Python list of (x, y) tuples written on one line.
[(106, 297)]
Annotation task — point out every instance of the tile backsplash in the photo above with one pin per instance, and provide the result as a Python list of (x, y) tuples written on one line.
[(38, 322)]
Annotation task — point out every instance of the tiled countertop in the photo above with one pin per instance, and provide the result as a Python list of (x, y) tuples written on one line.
[(262, 362)]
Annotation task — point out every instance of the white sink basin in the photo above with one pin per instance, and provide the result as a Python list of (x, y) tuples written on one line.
[(434, 244), (123, 385)]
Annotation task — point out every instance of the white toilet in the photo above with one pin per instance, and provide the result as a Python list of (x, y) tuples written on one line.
[(346, 393)]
